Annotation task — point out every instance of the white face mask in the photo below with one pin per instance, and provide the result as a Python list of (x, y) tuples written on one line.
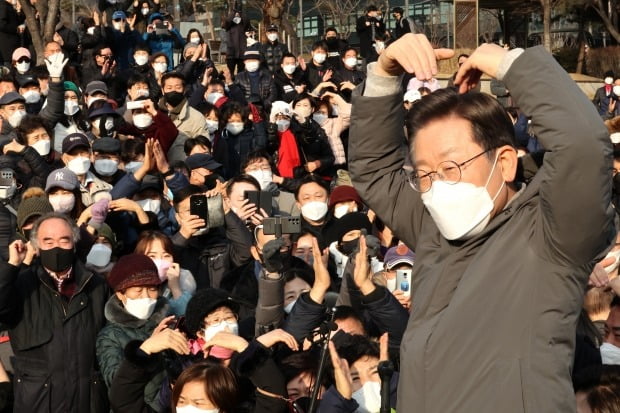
[(615, 137), (314, 210), (252, 66), (609, 80), (342, 210), (303, 112), (150, 205), (91, 31), (193, 409), (264, 178), (460, 210), (211, 126), (616, 255), (194, 40), (22, 67), (237, 20), (79, 165), (289, 307), (160, 67), (106, 167), (610, 354), (133, 166), (117, 25), (319, 57), (71, 107), (350, 61), (7, 192), (272, 37), (379, 46), (42, 146), (391, 284), (235, 128), (145, 11), (283, 124), (16, 118), (99, 255), (319, 117), (62, 203), (142, 120), (141, 59), (214, 97), (211, 331), (141, 308), (289, 69), (32, 96), (368, 397), (616, 90)]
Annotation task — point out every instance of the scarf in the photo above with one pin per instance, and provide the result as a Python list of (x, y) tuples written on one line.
[(288, 154)]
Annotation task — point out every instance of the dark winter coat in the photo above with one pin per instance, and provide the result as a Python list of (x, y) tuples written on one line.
[(122, 328), (285, 86), (53, 339), (272, 53), (266, 92), (9, 38)]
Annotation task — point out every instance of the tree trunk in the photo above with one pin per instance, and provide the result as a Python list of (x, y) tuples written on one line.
[(582, 43), (546, 6), (600, 9)]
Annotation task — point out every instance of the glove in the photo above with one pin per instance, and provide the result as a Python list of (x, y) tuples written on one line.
[(272, 257), (99, 211), (55, 64)]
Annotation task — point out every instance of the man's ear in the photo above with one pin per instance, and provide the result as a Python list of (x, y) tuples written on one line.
[(508, 160)]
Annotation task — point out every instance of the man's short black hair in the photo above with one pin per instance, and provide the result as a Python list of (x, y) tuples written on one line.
[(319, 44), (285, 55), (172, 75), (331, 29), (353, 347), (256, 156), (193, 142), (136, 78), (248, 179), (311, 178), (185, 193)]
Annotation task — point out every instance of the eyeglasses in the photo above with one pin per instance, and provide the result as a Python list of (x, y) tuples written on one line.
[(214, 322), (447, 171)]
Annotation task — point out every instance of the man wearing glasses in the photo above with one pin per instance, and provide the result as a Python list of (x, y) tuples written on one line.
[(500, 267)]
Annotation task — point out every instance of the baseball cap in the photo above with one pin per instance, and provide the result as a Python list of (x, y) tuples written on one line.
[(28, 80), (21, 52), (96, 86), (400, 254), (75, 140), (62, 178), (202, 160), (251, 54), (272, 28), (11, 97), (107, 145), (119, 14)]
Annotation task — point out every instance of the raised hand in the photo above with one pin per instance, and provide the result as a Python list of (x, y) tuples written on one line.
[(361, 274), (277, 336), (342, 374), (165, 339), (412, 53), (484, 60)]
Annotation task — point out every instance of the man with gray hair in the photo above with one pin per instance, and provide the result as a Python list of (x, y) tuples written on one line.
[(54, 310)]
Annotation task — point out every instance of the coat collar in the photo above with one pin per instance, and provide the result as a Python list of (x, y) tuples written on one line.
[(115, 313)]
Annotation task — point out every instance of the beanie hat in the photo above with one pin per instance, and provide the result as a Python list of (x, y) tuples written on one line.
[(345, 193), (203, 303), (31, 207), (133, 270), (349, 222), (106, 232), (67, 85)]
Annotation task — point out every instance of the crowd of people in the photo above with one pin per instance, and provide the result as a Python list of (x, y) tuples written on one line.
[(177, 236)]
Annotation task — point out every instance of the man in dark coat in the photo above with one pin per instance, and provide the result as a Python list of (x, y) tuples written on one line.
[(54, 310), (273, 49), (497, 261), (368, 27), (9, 34), (235, 25)]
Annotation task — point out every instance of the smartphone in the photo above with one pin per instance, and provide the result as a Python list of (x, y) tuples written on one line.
[(282, 225), (179, 323), (403, 281), (198, 206), (138, 104), (262, 200)]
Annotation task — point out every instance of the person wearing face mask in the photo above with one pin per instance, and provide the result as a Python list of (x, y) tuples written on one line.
[(151, 199), (132, 313), (335, 47), (164, 42), (463, 200), (73, 119), (104, 120), (258, 164), (106, 159), (101, 257), (312, 196), (234, 25), (254, 84), (33, 205), (10, 199), (76, 155), (368, 27), (272, 50), (349, 72), (203, 170), (21, 64), (63, 193), (55, 289), (187, 120), (610, 349), (289, 79), (604, 96), (12, 109), (335, 127), (359, 391), (49, 107), (178, 284), (123, 38), (143, 10), (344, 199), (318, 70)]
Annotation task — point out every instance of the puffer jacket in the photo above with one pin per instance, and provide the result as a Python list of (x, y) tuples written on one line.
[(266, 88), (273, 52), (513, 293), (122, 328), (53, 339)]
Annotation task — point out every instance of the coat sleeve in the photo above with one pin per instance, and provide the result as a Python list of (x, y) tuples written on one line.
[(240, 239), (9, 299), (376, 157), (165, 131), (575, 181), (333, 402), (305, 317), (55, 108), (109, 355), (37, 164), (387, 314), (127, 389)]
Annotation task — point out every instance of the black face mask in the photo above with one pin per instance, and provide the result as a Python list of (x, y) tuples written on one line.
[(349, 247), (211, 181), (174, 98), (57, 259)]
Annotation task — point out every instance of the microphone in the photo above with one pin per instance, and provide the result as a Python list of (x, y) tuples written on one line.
[(385, 370)]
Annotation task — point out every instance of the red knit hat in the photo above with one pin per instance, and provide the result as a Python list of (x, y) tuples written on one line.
[(133, 270), (344, 193)]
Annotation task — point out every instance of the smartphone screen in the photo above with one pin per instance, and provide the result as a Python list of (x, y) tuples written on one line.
[(198, 206), (403, 281)]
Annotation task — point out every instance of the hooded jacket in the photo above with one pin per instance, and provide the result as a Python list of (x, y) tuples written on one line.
[(493, 320)]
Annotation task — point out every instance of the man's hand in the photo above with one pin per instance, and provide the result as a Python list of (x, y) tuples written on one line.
[(342, 374), (412, 53), (322, 280), (328, 75), (361, 273), (96, 18), (484, 60), (301, 62), (17, 253), (58, 39), (149, 107), (55, 65), (275, 336), (160, 158), (190, 225), (164, 340)]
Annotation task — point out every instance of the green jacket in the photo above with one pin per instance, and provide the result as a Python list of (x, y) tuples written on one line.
[(122, 328)]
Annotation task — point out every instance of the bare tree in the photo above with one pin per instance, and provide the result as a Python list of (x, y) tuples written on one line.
[(339, 11), (41, 20), (608, 12)]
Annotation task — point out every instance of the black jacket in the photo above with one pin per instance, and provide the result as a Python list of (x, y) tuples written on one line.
[(53, 339), (266, 88), (313, 145), (285, 87), (210, 256), (9, 20), (365, 33), (273, 52)]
